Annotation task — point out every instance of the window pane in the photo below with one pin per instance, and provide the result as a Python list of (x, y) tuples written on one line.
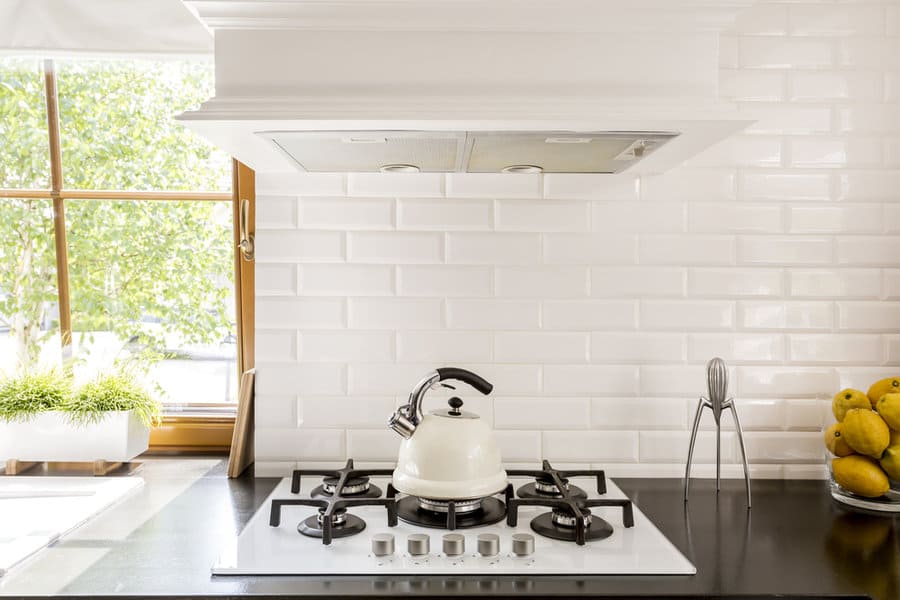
[(155, 278), (25, 149), (29, 327), (118, 132)]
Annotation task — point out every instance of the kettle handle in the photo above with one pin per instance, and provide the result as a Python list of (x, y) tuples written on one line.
[(476, 381)]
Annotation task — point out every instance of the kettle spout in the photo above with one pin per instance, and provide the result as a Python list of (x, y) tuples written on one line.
[(401, 424)]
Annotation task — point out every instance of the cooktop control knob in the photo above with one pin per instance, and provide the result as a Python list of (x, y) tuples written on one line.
[(418, 544), (523, 544), (454, 544), (488, 544), (383, 544)]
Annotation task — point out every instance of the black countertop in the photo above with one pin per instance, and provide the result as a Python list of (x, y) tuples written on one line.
[(794, 542)]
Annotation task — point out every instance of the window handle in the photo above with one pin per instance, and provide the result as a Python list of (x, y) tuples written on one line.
[(247, 246)]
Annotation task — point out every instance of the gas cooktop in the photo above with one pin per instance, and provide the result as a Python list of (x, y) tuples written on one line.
[(547, 521)]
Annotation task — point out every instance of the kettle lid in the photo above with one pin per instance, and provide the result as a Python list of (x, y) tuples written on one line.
[(454, 411)]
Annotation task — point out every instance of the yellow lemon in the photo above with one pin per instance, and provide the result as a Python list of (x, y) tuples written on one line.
[(846, 399), (882, 387), (865, 432), (890, 462), (860, 475), (835, 441), (888, 407), (895, 438)]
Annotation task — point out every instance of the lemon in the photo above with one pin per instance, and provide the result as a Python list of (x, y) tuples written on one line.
[(865, 432), (888, 408), (890, 462), (882, 387), (846, 399), (860, 475), (835, 441), (895, 438)]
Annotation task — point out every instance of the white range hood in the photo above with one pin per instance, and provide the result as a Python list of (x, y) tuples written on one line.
[(564, 86)]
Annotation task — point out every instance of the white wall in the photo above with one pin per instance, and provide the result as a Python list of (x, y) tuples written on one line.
[(593, 307)]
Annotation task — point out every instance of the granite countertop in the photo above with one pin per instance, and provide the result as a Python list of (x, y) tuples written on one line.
[(162, 541)]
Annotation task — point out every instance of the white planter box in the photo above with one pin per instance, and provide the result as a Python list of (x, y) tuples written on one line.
[(119, 437)]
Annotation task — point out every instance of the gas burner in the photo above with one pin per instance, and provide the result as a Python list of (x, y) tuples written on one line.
[(343, 524), (332, 519), (562, 525), (545, 486), (564, 518), (451, 514)]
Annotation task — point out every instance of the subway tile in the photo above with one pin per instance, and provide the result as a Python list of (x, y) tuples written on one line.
[(835, 348), (772, 381), (672, 380), (594, 446), (299, 378), (589, 249), (346, 346), (824, 86), (787, 250), (762, 19), (614, 282), (804, 471), (274, 444), (395, 313), (755, 414), (721, 217), (868, 52), (892, 349), (589, 187), (509, 380), (346, 213), (276, 212), (540, 282), (786, 315), (868, 118), (396, 185), (541, 347), (787, 118), (493, 314), (276, 345), (276, 279), (892, 87), (381, 379), (345, 411), (891, 283), (444, 347), (859, 378), (300, 313), (846, 218), (741, 151), (374, 444), (868, 250), (771, 185), (586, 315), (637, 347), (751, 85), (300, 246), (542, 215), (542, 413), (494, 248), (444, 215), (395, 247), (686, 250), (519, 445), (836, 19), (590, 380), (892, 151), (272, 468), (685, 315), (869, 316), (346, 280), (736, 347), (672, 446), (832, 152), (493, 185), (869, 185), (728, 51), (443, 281), (787, 447), (274, 411), (637, 217), (829, 283), (728, 283), (638, 413), (690, 184), (304, 184), (893, 20), (891, 221), (807, 415), (784, 53)]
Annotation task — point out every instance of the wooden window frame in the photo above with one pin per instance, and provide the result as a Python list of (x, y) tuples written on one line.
[(176, 433)]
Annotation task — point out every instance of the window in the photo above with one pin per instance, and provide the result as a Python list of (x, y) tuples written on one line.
[(121, 228)]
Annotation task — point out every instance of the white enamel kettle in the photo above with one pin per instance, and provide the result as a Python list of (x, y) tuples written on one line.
[(447, 454)]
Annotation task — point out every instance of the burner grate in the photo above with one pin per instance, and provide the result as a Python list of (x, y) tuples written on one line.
[(450, 514)]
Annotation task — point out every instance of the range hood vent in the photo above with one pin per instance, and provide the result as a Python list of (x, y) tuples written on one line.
[(469, 152)]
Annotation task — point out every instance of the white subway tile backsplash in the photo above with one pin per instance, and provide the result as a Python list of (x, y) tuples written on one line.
[(592, 302), (395, 247), (440, 214)]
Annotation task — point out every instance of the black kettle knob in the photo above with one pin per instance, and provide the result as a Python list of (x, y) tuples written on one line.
[(455, 404)]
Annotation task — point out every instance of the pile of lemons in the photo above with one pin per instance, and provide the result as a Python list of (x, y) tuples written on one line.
[(866, 438)]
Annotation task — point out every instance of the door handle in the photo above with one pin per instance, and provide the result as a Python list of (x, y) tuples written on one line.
[(247, 244)]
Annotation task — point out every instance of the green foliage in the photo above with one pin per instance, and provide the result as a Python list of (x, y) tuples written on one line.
[(24, 396), (112, 392), (171, 261)]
